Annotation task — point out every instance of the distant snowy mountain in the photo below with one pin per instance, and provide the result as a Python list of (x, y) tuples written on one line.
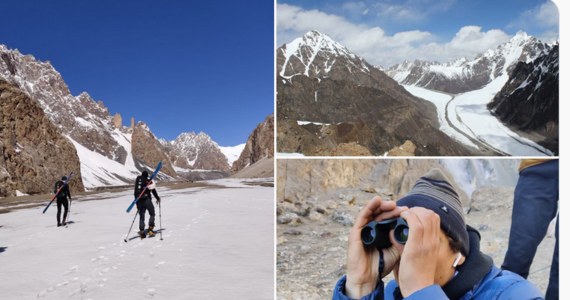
[(316, 55), (191, 151), (466, 75)]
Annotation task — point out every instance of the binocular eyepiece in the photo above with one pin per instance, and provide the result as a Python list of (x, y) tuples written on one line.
[(377, 234)]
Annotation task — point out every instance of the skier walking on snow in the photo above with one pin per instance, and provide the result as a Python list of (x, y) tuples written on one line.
[(145, 202), (62, 199)]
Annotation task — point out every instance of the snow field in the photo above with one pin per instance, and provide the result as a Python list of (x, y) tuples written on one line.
[(95, 168), (232, 153), (218, 242)]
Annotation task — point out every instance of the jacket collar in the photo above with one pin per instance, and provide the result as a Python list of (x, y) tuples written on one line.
[(472, 271)]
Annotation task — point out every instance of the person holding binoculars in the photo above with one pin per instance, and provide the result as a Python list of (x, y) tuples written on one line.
[(424, 240)]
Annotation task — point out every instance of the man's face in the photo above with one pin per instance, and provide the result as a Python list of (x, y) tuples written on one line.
[(445, 258)]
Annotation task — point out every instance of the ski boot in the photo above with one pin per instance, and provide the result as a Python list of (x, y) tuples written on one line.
[(150, 231), (142, 234)]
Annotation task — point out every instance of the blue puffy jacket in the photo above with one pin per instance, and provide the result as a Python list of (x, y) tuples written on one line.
[(496, 285), (477, 279)]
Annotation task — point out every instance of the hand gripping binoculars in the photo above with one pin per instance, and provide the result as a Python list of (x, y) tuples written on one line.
[(377, 234)]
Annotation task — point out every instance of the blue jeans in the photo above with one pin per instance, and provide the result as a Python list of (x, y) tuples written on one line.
[(535, 205)]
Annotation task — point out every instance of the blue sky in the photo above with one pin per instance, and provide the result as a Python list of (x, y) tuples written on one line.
[(177, 65), (386, 32)]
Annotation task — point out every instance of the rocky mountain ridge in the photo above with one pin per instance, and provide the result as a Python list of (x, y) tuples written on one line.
[(121, 151), (464, 74), (80, 117), (330, 100), (529, 101)]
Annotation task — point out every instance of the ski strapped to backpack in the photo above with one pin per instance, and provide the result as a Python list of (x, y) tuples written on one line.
[(144, 190), (58, 190)]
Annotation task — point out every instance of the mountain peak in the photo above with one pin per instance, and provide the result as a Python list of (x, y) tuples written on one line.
[(521, 35), (191, 138), (315, 54), (314, 32), (321, 42), (318, 36), (521, 38)]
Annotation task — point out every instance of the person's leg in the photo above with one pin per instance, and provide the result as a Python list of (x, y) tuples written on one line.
[(65, 208), (141, 208), (150, 208), (535, 205), (58, 212), (552, 290)]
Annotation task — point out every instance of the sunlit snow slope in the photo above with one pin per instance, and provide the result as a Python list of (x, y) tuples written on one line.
[(216, 242)]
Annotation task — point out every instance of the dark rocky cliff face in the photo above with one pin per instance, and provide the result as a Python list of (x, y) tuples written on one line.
[(529, 100), (147, 148), (34, 154), (260, 144)]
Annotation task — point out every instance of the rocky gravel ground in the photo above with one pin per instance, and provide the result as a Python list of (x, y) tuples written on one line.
[(312, 238)]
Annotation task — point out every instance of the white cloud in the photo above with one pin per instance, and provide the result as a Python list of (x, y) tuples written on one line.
[(544, 17), (399, 12), (379, 48), (410, 10), (471, 38), (356, 8)]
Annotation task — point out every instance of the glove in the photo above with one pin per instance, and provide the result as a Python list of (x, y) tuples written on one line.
[(157, 199)]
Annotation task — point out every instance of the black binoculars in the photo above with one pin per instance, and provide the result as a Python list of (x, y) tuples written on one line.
[(377, 234)]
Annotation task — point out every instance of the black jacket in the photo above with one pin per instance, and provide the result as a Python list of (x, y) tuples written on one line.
[(64, 192), (140, 184)]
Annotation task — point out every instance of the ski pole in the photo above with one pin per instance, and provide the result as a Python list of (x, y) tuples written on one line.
[(126, 237), (160, 218)]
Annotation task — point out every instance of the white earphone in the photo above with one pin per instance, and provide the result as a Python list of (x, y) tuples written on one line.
[(456, 261)]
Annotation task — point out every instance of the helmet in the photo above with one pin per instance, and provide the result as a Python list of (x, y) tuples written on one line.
[(64, 178), (145, 173), (151, 185)]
